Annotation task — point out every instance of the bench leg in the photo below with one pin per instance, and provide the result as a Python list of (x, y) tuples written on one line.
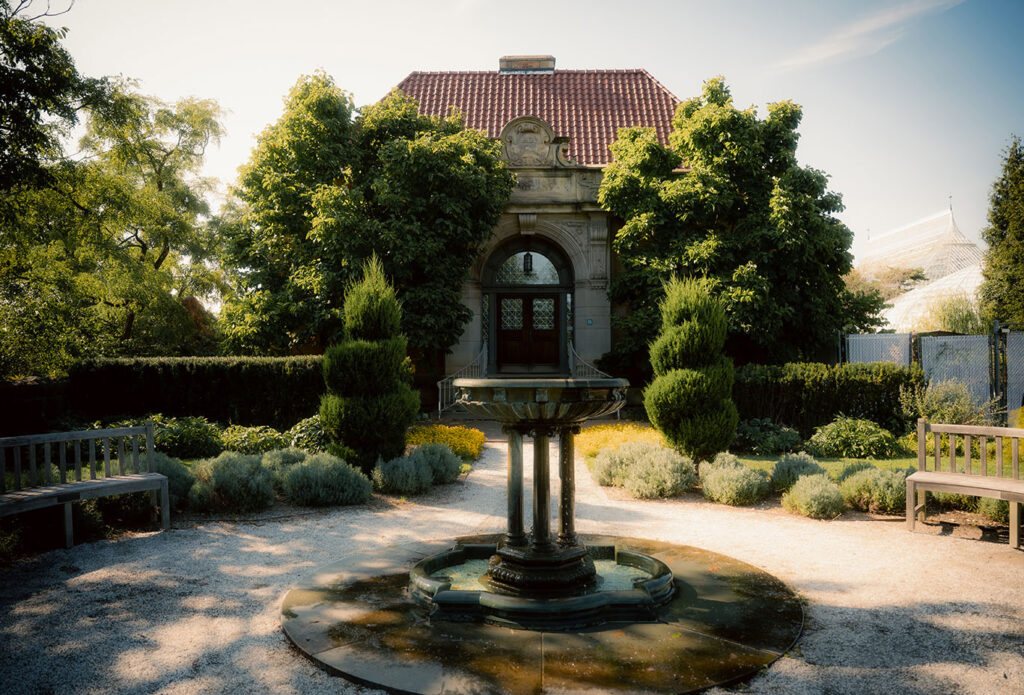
[(1014, 524), (69, 531), (921, 502), (165, 505), (911, 496)]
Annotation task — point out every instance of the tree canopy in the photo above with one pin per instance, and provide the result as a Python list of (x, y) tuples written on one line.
[(1003, 288), (324, 191), (105, 254), (727, 201)]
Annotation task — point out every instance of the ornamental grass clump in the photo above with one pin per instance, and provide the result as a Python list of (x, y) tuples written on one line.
[(403, 475), (876, 491), (733, 485), (815, 496), (788, 469), (369, 403), (689, 400), (257, 439), (443, 463), (232, 482), (465, 442), (847, 437), (323, 480)]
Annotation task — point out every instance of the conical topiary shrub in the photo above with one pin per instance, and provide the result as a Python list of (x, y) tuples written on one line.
[(690, 399), (369, 403)]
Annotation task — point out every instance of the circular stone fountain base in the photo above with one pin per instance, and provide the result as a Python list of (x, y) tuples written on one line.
[(726, 621)]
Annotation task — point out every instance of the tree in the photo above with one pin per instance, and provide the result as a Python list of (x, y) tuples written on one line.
[(41, 94), (690, 399), (726, 200), (369, 403), (323, 192), (1003, 289), (106, 256)]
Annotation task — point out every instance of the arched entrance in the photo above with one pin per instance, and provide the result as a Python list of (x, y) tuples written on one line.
[(527, 298)]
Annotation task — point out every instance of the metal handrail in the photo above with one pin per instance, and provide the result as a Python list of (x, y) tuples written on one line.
[(445, 387), (580, 368)]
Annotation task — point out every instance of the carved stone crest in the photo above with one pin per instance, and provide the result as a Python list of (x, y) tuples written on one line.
[(530, 142)]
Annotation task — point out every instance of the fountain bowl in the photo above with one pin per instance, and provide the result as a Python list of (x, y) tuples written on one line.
[(546, 401)]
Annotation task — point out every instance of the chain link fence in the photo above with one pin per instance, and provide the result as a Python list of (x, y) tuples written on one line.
[(963, 358), (879, 347), (1015, 378)]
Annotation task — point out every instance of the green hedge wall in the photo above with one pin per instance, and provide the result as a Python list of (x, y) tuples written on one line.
[(806, 395), (275, 391)]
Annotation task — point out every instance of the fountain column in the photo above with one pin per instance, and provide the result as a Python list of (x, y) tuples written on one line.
[(567, 475), (516, 535), (541, 489)]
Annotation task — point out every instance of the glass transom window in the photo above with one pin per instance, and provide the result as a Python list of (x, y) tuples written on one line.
[(511, 271)]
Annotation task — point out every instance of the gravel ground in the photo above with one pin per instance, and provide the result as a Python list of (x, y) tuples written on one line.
[(196, 609)]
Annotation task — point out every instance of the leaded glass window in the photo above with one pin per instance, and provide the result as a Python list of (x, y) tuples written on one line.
[(511, 271), (544, 314), (512, 314)]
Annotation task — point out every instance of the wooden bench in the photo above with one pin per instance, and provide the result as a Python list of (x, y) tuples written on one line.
[(27, 480), (963, 480)]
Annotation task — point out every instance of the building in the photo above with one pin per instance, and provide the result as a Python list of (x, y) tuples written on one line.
[(950, 261), (538, 292)]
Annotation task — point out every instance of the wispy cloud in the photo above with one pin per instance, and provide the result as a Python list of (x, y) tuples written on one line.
[(865, 36)]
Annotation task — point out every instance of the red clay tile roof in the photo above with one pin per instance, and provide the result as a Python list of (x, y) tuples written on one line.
[(587, 106)]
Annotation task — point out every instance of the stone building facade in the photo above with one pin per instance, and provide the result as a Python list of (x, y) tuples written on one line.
[(539, 288)]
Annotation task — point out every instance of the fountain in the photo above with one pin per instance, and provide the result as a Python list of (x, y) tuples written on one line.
[(542, 611)]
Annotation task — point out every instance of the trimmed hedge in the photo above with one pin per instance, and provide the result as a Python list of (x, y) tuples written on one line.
[(805, 395), (274, 391)]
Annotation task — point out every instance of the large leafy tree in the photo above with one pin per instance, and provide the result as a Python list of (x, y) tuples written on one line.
[(107, 254), (727, 201), (324, 191), (1003, 289), (41, 93)]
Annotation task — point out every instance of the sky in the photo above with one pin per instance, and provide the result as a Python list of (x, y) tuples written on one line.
[(907, 105)]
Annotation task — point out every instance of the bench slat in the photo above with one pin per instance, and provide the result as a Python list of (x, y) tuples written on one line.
[(62, 493), (78, 460), (3, 470), (106, 457), (121, 456), (999, 456), (135, 454), (968, 465), (17, 468), (984, 456), (1015, 454), (62, 457), (67, 436), (969, 485), (977, 430), (46, 462), (92, 459), (33, 479)]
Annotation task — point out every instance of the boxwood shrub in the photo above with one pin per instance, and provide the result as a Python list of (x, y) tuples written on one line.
[(762, 437)]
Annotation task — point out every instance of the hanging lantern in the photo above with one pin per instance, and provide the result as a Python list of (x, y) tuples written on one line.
[(527, 263)]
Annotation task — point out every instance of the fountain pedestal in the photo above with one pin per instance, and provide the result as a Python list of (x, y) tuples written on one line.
[(538, 565)]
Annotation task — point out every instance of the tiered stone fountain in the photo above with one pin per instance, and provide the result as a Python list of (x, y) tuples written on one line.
[(538, 612)]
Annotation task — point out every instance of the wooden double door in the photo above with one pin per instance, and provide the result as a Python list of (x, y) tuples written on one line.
[(528, 330)]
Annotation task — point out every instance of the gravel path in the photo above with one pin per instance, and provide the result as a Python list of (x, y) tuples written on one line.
[(195, 610)]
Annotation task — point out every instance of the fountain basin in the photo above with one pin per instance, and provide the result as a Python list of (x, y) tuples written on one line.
[(651, 591), (542, 401)]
